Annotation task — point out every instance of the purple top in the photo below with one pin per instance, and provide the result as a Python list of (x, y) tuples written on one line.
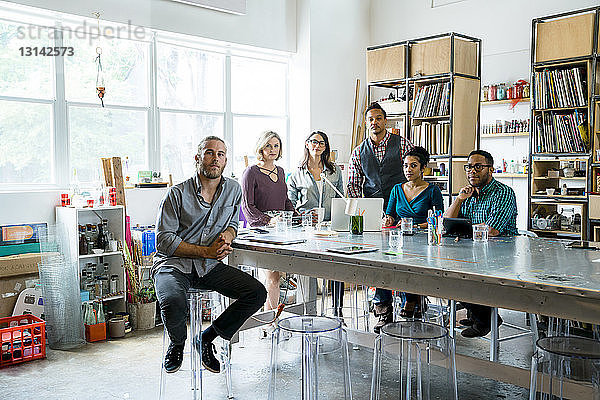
[(260, 194)]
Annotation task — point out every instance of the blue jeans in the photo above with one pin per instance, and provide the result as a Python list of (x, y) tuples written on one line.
[(382, 296)]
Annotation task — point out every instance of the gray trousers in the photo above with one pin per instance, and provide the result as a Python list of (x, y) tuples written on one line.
[(171, 290)]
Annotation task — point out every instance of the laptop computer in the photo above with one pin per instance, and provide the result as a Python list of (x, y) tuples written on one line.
[(461, 227), (373, 216)]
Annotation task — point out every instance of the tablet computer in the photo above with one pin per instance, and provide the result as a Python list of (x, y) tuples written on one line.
[(273, 240), (461, 227), (355, 249)]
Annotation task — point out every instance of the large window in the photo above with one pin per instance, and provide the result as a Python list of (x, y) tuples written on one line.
[(26, 110), (164, 93)]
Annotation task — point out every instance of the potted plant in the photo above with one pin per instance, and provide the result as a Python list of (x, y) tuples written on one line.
[(141, 297), (143, 308)]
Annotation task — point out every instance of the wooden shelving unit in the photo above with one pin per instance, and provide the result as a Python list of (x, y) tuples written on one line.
[(563, 42), (507, 175), (498, 135), (509, 101), (403, 67)]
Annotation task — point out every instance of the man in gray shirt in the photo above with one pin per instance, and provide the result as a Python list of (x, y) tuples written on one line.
[(196, 223)]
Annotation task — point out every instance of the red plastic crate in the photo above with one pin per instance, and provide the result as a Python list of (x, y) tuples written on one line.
[(22, 338)]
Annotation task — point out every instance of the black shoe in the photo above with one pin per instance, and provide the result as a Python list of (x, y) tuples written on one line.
[(209, 361), (174, 358), (479, 329), (466, 322), (385, 315)]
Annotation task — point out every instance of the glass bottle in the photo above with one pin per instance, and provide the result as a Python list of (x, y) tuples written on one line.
[(101, 318)]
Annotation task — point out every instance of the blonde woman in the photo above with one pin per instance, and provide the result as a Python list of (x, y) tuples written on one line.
[(264, 189)]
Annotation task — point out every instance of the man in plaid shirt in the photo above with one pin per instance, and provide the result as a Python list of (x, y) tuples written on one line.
[(375, 167), (485, 201)]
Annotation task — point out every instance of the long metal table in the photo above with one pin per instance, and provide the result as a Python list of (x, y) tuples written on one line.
[(520, 273)]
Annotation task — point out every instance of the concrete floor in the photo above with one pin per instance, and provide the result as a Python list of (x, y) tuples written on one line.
[(129, 368)]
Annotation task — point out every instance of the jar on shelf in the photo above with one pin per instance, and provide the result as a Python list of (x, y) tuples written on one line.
[(510, 93), (485, 93), (501, 92), (492, 93), (526, 90)]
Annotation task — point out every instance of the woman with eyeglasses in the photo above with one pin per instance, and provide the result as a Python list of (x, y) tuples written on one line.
[(264, 190), (306, 186), (413, 199)]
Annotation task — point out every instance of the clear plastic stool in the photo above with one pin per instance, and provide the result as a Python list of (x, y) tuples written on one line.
[(565, 367), (423, 354), (316, 339), (200, 301), (359, 305)]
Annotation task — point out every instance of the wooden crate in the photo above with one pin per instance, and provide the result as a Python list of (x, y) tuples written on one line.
[(433, 57), (386, 63), (464, 123), (565, 38)]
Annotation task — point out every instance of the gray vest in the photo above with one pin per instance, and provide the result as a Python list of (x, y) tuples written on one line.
[(380, 178)]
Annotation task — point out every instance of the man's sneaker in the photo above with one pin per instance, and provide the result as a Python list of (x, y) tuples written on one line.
[(209, 361), (385, 314), (173, 358)]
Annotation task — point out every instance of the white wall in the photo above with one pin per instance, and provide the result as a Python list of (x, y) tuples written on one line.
[(505, 30), (331, 40), (267, 23)]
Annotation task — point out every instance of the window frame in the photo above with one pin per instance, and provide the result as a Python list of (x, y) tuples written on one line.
[(61, 168)]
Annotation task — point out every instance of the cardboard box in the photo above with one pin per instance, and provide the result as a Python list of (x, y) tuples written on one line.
[(10, 288), (20, 264)]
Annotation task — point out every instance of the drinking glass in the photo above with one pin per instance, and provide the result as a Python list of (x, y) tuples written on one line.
[(480, 233), (287, 217), (307, 221), (406, 225), (396, 239)]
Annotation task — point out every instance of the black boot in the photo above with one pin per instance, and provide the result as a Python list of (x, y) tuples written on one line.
[(385, 314)]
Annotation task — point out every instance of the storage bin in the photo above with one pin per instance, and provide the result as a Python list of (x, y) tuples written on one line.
[(564, 38), (22, 338), (433, 57), (386, 63)]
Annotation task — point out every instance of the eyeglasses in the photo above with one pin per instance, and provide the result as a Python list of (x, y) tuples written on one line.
[(476, 167), (315, 142)]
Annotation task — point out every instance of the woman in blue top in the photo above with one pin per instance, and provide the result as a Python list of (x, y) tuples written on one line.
[(413, 199)]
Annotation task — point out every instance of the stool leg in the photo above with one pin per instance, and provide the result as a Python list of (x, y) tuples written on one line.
[(346, 361), (366, 307), (310, 387), (452, 322), (494, 342), (421, 392), (408, 392), (163, 373), (452, 366), (195, 358), (376, 378), (273, 377), (227, 363), (323, 297), (225, 346)]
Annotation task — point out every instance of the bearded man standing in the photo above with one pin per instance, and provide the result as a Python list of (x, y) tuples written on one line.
[(196, 224)]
